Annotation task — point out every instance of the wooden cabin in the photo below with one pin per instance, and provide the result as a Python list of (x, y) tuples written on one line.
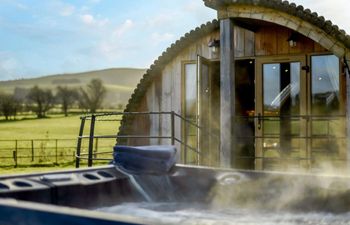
[(263, 87)]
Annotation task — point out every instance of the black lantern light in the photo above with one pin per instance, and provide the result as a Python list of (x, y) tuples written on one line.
[(214, 45), (292, 40)]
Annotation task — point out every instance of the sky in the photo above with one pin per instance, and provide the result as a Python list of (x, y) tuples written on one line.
[(43, 37)]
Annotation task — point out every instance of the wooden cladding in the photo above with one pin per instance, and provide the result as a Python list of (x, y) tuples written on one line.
[(272, 40), (244, 42)]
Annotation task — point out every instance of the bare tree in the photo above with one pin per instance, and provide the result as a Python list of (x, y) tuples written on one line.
[(66, 97), (41, 99), (91, 98), (9, 105)]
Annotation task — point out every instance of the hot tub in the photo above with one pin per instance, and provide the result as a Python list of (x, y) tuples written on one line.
[(186, 195)]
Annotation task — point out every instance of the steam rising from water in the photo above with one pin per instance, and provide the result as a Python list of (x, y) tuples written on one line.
[(239, 198), (282, 193), (193, 214)]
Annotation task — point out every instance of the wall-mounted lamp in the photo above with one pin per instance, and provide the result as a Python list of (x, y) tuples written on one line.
[(214, 45), (292, 40)]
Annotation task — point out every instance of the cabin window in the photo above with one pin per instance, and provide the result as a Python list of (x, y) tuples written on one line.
[(190, 98), (282, 98), (325, 85), (190, 91), (325, 108)]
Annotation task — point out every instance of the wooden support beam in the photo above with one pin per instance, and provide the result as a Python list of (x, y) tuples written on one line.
[(227, 92)]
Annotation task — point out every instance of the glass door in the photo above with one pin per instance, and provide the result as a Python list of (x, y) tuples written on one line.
[(327, 123), (197, 110), (190, 112), (204, 94), (281, 102)]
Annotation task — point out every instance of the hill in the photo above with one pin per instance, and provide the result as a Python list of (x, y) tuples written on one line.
[(120, 83)]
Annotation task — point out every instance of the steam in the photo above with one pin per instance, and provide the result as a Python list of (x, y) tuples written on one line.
[(282, 193), (240, 198)]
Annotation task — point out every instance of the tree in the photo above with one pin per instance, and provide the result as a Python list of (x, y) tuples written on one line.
[(20, 93), (66, 97), (41, 99), (9, 105), (91, 98)]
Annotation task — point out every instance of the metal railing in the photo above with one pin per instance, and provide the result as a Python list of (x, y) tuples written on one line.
[(93, 118), (308, 136), (300, 139)]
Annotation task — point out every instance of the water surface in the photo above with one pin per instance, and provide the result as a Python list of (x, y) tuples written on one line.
[(193, 214)]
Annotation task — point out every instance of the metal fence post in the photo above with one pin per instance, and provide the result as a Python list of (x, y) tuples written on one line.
[(32, 150), (172, 128), (91, 140), (15, 153), (81, 132)]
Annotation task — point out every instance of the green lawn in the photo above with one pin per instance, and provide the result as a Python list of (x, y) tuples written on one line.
[(53, 127), (54, 142)]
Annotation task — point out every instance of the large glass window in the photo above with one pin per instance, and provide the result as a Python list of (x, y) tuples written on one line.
[(326, 126), (325, 85), (282, 88)]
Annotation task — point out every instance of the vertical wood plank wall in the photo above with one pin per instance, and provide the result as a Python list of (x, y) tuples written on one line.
[(272, 40)]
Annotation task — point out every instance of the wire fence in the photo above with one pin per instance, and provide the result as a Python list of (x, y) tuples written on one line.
[(44, 151), (165, 136)]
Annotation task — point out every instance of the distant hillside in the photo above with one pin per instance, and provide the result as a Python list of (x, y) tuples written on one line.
[(120, 82)]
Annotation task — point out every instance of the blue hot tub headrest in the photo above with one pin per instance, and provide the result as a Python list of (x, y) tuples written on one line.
[(157, 159)]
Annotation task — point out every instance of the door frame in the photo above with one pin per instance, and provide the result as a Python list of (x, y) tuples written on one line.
[(200, 60), (184, 131), (304, 105), (203, 121)]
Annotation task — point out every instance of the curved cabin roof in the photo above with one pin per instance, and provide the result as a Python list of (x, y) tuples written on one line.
[(282, 13), (286, 14)]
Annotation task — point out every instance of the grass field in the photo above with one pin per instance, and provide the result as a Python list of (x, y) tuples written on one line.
[(34, 145), (54, 142), (32, 128), (55, 126)]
